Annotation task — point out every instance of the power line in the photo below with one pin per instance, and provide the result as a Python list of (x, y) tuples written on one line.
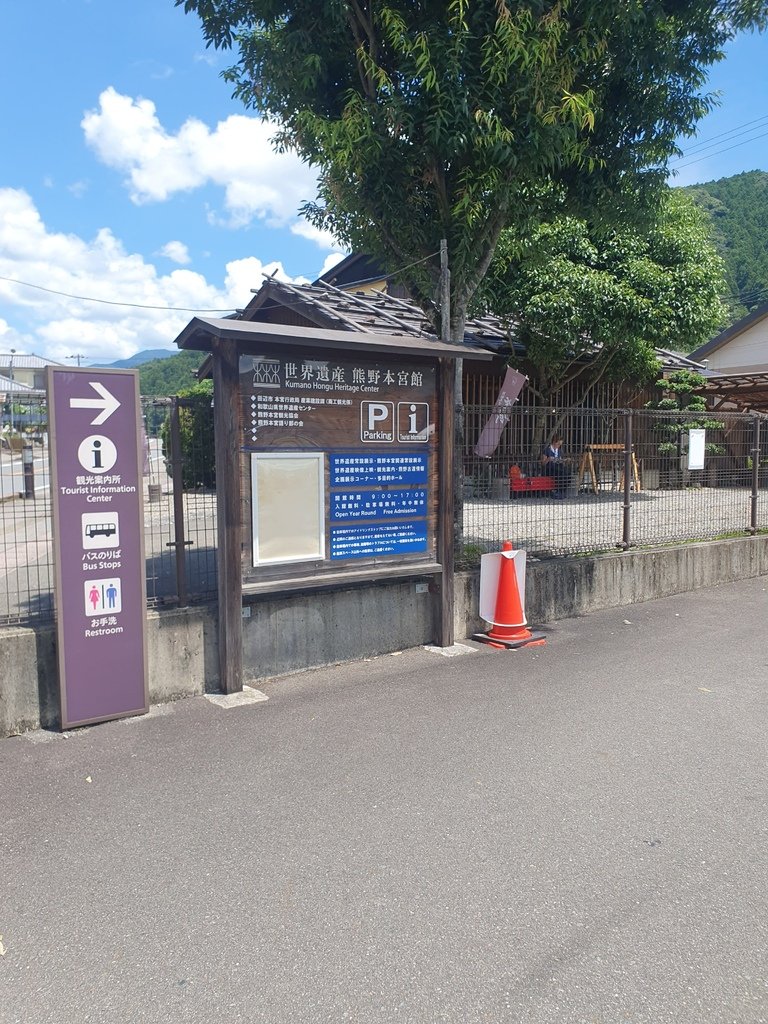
[(168, 309), (717, 152), (110, 302), (707, 142), (697, 151), (756, 295)]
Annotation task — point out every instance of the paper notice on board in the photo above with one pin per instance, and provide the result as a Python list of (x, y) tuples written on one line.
[(696, 440)]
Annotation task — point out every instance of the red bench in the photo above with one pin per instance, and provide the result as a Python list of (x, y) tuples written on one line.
[(529, 484)]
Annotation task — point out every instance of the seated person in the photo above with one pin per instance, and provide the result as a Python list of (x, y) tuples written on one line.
[(555, 466)]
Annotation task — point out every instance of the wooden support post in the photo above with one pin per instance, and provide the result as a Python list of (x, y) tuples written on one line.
[(445, 500), (228, 433)]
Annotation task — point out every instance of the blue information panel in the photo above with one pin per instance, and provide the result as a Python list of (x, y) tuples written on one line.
[(378, 469), (381, 539), (352, 505)]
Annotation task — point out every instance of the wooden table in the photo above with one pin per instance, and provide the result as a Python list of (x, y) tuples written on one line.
[(587, 463)]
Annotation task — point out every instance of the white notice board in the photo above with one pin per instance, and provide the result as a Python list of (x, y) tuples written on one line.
[(288, 492)]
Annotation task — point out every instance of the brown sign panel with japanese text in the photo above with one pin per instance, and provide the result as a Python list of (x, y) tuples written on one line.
[(343, 466)]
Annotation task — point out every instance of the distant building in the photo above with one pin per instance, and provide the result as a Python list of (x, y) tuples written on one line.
[(736, 362), (25, 368)]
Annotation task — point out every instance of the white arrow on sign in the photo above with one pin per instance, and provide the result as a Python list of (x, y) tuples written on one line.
[(107, 403)]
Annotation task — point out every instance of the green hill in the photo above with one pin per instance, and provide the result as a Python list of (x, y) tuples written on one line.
[(738, 210), (163, 377)]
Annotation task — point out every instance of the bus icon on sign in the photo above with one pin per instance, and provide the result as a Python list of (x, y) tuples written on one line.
[(100, 530), (106, 529)]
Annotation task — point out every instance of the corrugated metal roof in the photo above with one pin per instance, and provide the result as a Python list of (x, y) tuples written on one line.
[(6, 384)]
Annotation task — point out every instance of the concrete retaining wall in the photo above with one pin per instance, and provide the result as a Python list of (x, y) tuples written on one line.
[(565, 587), (288, 633)]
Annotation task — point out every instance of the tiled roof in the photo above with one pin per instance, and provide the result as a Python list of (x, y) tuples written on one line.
[(26, 360), (677, 361), (380, 313), (374, 313)]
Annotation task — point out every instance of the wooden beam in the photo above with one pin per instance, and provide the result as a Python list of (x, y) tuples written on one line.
[(348, 578), (228, 433)]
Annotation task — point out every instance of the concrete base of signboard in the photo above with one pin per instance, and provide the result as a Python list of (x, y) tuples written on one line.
[(287, 634), (237, 700)]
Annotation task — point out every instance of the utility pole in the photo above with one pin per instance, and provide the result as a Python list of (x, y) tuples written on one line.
[(78, 356), (10, 377), (447, 473), (445, 292)]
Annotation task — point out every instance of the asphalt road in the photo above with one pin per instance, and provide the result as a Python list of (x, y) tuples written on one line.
[(569, 834)]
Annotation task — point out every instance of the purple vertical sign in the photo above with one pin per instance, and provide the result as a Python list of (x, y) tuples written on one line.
[(98, 522)]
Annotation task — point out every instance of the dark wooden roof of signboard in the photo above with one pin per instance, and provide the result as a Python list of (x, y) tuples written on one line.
[(199, 333)]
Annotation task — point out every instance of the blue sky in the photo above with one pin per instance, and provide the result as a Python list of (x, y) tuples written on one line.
[(127, 173)]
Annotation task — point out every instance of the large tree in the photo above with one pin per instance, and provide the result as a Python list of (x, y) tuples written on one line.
[(450, 120), (581, 293)]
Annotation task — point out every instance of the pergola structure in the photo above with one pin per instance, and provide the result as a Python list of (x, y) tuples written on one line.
[(747, 392)]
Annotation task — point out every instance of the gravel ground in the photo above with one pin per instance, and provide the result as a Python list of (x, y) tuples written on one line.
[(594, 522)]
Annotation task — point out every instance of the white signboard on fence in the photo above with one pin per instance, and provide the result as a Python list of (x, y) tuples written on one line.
[(696, 440)]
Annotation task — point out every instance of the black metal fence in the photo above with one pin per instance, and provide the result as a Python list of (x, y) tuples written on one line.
[(627, 480), (179, 511)]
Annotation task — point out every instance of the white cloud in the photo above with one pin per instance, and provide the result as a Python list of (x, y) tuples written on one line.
[(237, 155), (330, 262), (176, 251), (304, 229), (54, 325)]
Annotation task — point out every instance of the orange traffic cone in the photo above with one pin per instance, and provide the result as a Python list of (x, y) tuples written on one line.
[(509, 624)]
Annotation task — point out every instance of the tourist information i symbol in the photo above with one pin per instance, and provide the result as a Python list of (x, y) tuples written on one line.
[(97, 454)]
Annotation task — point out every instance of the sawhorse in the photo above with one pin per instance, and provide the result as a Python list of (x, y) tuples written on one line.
[(587, 463)]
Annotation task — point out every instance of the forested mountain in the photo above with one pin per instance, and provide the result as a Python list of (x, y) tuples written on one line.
[(162, 377), (738, 210), (139, 358)]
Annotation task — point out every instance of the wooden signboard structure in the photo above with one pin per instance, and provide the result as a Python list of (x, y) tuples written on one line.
[(334, 463)]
